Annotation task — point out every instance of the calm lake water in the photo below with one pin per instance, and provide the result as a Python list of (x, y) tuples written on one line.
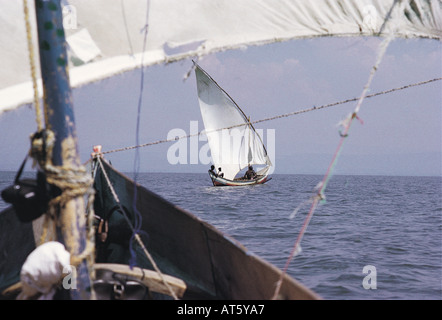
[(390, 225)]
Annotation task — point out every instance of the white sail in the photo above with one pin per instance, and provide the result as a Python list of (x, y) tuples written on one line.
[(234, 143), (105, 36)]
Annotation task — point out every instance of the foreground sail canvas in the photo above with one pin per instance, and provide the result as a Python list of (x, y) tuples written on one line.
[(233, 141), (182, 29), (211, 264)]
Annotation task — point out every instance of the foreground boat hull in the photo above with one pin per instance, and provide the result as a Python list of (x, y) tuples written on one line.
[(16, 243), (213, 265), (196, 257), (220, 182)]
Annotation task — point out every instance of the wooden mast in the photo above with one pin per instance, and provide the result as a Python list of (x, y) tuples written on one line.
[(59, 118)]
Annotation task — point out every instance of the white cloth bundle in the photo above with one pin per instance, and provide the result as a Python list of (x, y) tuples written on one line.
[(43, 269)]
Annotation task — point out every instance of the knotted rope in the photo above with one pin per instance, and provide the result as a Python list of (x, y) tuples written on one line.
[(73, 183)]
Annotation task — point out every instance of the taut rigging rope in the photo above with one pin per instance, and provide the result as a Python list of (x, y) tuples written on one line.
[(286, 115)]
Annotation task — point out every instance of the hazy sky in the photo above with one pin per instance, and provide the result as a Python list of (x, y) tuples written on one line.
[(400, 135)]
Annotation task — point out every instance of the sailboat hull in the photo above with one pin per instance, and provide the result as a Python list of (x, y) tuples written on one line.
[(220, 182)]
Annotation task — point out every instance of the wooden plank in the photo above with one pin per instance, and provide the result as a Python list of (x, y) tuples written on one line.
[(149, 278)]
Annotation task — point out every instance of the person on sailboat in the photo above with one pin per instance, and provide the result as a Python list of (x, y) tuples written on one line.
[(250, 174), (212, 171), (220, 174)]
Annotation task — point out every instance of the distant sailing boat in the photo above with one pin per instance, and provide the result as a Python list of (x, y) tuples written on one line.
[(234, 142)]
